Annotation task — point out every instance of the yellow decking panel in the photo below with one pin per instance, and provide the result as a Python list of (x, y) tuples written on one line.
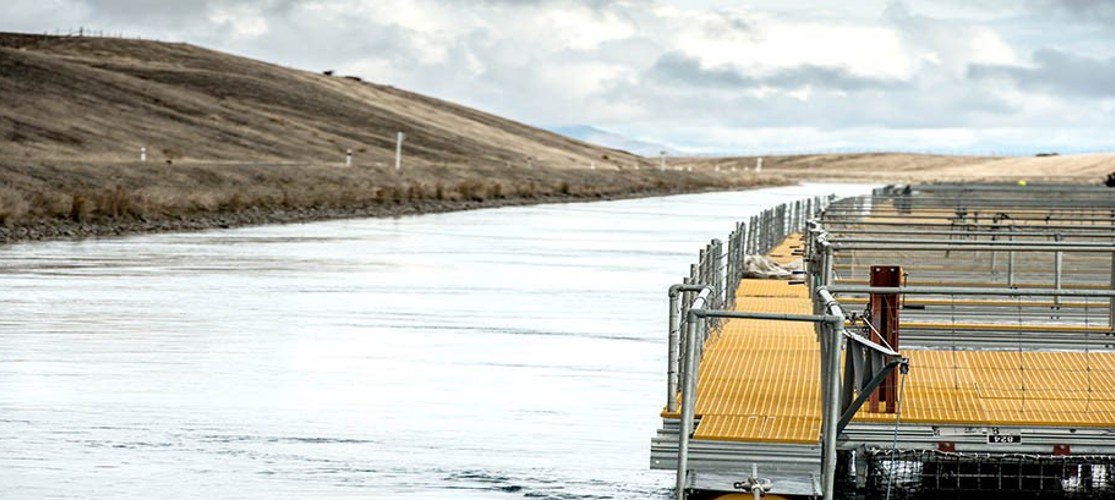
[(784, 252), (759, 381), (751, 289), (1004, 388)]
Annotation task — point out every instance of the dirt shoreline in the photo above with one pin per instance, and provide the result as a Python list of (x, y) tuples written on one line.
[(61, 229)]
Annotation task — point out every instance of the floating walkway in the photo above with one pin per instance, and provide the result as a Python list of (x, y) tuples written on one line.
[(783, 356), (981, 362)]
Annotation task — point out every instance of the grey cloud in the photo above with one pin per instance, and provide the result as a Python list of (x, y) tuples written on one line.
[(1092, 10), (1015, 10), (488, 66), (1057, 71), (680, 68), (900, 109), (125, 10), (596, 4), (679, 87), (832, 78), (731, 23), (177, 12)]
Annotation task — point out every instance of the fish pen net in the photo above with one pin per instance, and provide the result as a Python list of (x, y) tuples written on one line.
[(937, 475)]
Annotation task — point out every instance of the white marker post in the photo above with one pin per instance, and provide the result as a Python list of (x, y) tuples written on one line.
[(399, 150), (662, 165), (348, 158), (143, 154), (758, 165)]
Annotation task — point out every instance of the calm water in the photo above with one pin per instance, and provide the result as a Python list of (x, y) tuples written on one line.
[(505, 353)]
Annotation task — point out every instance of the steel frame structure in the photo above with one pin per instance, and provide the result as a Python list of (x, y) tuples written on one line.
[(990, 268)]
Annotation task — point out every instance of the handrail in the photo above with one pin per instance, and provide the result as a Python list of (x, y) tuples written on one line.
[(698, 305), (959, 290), (832, 323)]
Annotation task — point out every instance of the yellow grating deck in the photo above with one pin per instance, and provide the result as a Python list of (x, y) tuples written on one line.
[(1073, 389), (784, 252), (759, 380)]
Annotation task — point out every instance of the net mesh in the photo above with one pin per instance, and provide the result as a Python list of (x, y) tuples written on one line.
[(914, 474)]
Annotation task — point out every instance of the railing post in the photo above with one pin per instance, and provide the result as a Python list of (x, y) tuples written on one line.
[(1010, 268), (702, 277), (721, 268), (768, 227), (1058, 265), (823, 332), (835, 339), (672, 362), (764, 224), (741, 253), (689, 398), (1010, 258), (713, 255), (826, 271), (730, 263), (749, 247), (832, 343), (1111, 301), (687, 299)]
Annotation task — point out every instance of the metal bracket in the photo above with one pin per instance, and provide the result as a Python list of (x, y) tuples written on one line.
[(866, 390)]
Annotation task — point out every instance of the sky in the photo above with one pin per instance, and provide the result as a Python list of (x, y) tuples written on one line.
[(697, 77)]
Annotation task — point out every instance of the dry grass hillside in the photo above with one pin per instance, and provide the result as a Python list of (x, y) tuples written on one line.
[(101, 99), (901, 168), (234, 141)]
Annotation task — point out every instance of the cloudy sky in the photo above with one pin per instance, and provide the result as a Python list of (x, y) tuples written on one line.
[(702, 76)]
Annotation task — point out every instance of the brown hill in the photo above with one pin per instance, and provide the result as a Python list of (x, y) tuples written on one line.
[(104, 98), (901, 167), (235, 141)]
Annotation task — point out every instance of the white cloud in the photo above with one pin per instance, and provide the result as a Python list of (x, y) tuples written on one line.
[(988, 48), (581, 28), (703, 74), (245, 21), (775, 44)]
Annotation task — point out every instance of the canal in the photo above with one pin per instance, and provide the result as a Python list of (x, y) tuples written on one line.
[(503, 353)]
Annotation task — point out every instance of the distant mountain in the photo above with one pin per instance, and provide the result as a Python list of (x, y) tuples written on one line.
[(594, 135)]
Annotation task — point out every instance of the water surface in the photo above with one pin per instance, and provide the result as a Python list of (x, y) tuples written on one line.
[(504, 353)]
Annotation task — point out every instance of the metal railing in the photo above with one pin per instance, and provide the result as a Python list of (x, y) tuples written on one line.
[(988, 267), (1021, 269), (705, 298), (715, 276)]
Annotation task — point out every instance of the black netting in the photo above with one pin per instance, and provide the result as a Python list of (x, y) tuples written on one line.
[(940, 475)]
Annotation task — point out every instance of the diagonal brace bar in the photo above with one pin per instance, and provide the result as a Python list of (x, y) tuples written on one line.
[(865, 392)]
